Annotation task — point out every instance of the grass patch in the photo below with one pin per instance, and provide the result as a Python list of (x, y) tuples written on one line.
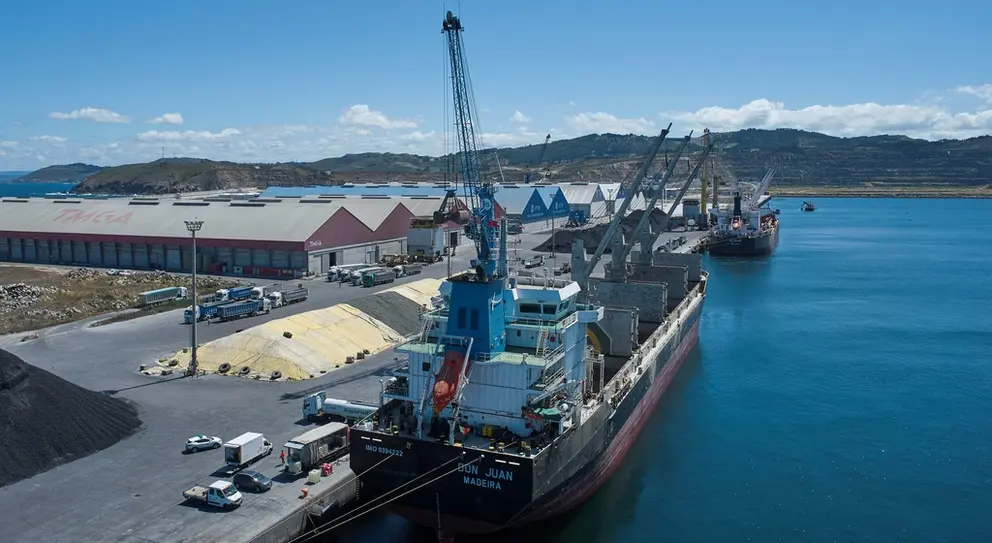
[(143, 312)]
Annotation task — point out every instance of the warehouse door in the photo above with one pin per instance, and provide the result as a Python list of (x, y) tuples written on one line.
[(280, 260), (16, 250), (94, 256), (139, 253), (124, 255), (109, 254), (78, 252), (30, 253), (242, 257), (173, 258)]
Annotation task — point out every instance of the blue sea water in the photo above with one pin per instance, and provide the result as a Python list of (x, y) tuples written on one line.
[(840, 393), (9, 189)]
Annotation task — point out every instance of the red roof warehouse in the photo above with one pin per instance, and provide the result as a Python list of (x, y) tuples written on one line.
[(268, 237)]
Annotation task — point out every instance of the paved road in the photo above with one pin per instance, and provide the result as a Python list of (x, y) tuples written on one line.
[(132, 491)]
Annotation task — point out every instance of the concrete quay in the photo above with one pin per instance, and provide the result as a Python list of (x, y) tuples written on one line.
[(132, 491)]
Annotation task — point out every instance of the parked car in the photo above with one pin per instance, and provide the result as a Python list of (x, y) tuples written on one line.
[(251, 480), (202, 443)]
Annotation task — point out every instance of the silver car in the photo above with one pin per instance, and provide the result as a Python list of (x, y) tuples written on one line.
[(202, 442)]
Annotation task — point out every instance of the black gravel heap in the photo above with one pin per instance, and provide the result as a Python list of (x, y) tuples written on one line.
[(394, 310), (46, 421)]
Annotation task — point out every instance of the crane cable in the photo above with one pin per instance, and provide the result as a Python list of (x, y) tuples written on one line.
[(320, 530)]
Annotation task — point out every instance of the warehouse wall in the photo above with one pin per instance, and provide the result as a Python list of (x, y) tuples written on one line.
[(320, 261), (153, 256)]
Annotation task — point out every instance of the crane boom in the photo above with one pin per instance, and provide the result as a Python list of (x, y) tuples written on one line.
[(581, 276), (646, 216), (762, 187), (647, 242), (479, 192)]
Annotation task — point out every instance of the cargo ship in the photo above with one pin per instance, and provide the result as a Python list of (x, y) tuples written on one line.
[(745, 228), (521, 395)]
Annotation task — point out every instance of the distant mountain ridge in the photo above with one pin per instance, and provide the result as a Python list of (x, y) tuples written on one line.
[(801, 158), (65, 173)]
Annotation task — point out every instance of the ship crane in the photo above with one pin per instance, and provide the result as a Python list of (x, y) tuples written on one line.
[(581, 270), (479, 192)]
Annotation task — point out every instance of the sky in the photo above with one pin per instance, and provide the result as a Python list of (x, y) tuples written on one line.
[(109, 82)]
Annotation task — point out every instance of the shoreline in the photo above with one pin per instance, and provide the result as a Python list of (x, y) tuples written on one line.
[(963, 192)]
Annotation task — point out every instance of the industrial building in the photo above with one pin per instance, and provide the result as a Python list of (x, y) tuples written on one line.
[(582, 198), (258, 238)]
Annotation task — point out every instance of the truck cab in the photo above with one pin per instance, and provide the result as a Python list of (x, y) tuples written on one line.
[(219, 494)]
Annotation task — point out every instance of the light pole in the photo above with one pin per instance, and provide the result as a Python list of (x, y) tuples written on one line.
[(194, 227)]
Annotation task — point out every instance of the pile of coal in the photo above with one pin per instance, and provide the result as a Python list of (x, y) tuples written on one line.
[(46, 421)]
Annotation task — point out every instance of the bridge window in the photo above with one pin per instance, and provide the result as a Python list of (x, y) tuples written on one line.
[(549, 309), (530, 308), (474, 319), (461, 318)]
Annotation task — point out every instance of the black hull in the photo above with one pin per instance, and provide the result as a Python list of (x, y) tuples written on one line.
[(747, 245), (524, 490)]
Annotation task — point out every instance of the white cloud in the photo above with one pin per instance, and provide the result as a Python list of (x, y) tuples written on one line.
[(363, 115), (51, 139), (982, 91), (94, 114), (188, 135), (922, 121), (168, 118), (571, 103), (364, 130), (3, 153), (519, 117), (418, 136), (601, 123)]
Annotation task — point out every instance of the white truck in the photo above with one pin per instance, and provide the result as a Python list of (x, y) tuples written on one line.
[(293, 296), (219, 494), (318, 406), (404, 270), (343, 273), (245, 449), (257, 293)]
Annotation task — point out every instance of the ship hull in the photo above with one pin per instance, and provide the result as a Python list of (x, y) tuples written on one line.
[(746, 245), (548, 485)]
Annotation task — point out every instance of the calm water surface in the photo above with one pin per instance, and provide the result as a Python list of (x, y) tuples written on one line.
[(840, 392)]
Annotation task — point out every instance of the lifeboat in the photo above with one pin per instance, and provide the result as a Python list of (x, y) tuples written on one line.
[(446, 380)]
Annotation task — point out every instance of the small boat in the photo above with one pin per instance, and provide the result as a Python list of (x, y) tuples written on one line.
[(808, 206)]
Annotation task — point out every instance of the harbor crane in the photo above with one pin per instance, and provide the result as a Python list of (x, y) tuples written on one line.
[(479, 191)]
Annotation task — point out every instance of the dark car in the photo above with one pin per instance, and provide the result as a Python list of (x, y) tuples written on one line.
[(251, 480)]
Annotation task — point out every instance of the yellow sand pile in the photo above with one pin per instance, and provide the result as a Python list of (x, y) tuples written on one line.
[(321, 340)]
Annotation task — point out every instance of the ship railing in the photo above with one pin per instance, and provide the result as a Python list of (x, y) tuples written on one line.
[(546, 360), (555, 325)]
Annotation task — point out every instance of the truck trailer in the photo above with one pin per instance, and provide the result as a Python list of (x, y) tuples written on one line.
[(322, 444), (318, 407), (280, 299), (378, 277), (244, 308), (204, 312), (233, 294), (157, 296)]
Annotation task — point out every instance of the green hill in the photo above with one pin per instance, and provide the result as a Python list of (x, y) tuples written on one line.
[(171, 175), (66, 173), (801, 157)]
